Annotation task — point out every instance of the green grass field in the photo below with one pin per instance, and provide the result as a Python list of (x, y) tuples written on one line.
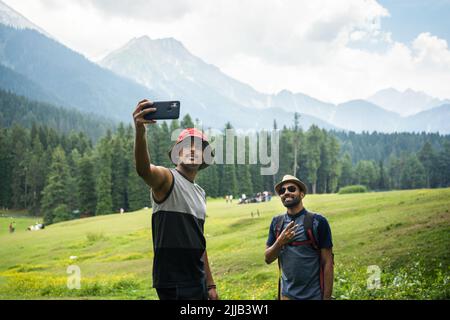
[(404, 233)]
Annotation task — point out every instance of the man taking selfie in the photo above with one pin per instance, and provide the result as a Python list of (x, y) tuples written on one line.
[(180, 264), (301, 241)]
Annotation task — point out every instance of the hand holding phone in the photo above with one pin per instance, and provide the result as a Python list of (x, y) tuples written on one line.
[(165, 110), (139, 114)]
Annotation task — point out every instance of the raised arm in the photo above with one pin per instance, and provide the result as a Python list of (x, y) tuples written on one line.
[(158, 178)]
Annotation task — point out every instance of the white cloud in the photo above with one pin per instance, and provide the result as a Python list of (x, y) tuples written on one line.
[(145, 10), (431, 50), (324, 48)]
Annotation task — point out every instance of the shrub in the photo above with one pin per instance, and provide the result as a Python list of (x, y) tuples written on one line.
[(95, 236), (353, 189)]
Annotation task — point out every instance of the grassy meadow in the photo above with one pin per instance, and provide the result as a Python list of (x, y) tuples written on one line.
[(404, 233)]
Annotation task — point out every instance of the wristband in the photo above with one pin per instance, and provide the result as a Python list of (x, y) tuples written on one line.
[(212, 286)]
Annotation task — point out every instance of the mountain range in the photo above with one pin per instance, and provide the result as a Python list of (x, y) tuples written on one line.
[(405, 103), (35, 65), (10, 17), (167, 67)]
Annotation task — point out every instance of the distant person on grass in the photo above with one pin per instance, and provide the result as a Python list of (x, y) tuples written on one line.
[(301, 241), (11, 228), (180, 264)]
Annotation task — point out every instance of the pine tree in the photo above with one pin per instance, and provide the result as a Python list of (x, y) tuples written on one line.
[(366, 174), (383, 180), (413, 175), (19, 168), (257, 179), (138, 192), (325, 165), (295, 142), (174, 125), (37, 174), (346, 176), (334, 167), (313, 145), (57, 190), (164, 144), (73, 159), (213, 189), (103, 180), (86, 186), (395, 168), (303, 154), (208, 180), (153, 144), (61, 213), (229, 180), (187, 122), (444, 165), (427, 157), (119, 172), (245, 180), (286, 153), (103, 191), (5, 168)]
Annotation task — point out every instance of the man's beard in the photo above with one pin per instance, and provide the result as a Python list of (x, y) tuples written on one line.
[(190, 166), (295, 201)]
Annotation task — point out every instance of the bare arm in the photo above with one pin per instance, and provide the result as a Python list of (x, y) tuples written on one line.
[(272, 252), (212, 293), (158, 178), (326, 259)]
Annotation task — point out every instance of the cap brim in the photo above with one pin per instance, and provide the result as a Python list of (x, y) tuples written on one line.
[(300, 184), (203, 165)]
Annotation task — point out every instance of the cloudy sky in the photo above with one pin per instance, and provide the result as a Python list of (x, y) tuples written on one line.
[(332, 50)]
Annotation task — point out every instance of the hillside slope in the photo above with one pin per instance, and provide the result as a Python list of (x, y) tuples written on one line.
[(404, 233)]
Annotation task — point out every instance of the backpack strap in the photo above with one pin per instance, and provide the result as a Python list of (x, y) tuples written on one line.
[(278, 225), (308, 225)]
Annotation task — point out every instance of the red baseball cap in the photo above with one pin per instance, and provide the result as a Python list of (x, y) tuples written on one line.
[(192, 133)]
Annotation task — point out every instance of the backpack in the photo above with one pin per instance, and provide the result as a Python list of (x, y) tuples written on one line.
[(311, 241)]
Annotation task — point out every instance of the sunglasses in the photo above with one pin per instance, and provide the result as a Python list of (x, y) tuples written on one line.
[(290, 189)]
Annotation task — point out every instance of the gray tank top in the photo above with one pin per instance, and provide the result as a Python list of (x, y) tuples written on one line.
[(184, 197), (177, 231)]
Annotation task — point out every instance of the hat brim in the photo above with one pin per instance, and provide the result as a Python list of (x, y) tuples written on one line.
[(299, 183), (205, 144)]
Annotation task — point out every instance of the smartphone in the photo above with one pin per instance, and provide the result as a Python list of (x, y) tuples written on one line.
[(165, 110)]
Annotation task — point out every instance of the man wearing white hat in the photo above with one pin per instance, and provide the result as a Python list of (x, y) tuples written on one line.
[(302, 243)]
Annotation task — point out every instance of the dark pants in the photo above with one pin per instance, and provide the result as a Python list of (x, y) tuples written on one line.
[(183, 293)]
